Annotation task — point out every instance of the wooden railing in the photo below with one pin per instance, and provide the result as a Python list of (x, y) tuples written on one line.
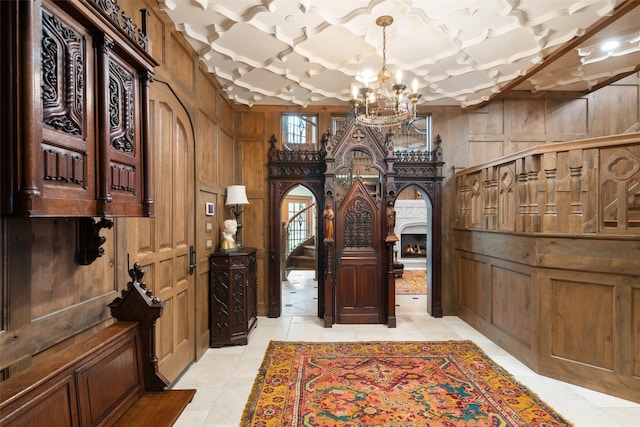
[(545, 259), (590, 186)]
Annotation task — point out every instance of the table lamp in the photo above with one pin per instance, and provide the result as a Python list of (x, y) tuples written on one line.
[(236, 197)]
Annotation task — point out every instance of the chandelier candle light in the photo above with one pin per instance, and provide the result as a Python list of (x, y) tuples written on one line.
[(384, 104)]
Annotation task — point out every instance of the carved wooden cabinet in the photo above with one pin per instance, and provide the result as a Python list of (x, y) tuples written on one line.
[(232, 296), (75, 100)]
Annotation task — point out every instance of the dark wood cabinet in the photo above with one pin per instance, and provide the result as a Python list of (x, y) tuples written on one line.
[(75, 110), (232, 296)]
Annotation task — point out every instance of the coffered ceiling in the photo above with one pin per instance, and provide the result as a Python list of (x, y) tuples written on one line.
[(461, 52)]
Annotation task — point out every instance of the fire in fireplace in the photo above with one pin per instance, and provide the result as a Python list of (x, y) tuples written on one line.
[(413, 245)]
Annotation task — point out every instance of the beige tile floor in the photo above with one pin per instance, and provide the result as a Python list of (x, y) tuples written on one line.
[(223, 377)]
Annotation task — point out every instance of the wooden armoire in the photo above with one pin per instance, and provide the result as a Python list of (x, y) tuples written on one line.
[(356, 176)]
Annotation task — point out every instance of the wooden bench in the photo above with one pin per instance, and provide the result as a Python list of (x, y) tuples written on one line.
[(109, 379)]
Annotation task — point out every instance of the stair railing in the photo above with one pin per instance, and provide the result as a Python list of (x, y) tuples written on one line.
[(294, 232)]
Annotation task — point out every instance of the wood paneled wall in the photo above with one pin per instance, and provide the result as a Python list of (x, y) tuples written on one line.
[(50, 300)]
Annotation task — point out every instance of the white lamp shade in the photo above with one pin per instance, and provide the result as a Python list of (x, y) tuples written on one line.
[(236, 195)]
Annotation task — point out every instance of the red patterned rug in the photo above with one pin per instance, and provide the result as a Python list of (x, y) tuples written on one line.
[(408, 384), (412, 282)]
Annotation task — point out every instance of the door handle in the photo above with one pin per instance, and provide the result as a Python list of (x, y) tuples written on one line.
[(192, 259)]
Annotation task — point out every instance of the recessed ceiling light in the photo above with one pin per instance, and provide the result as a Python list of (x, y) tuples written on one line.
[(610, 45)]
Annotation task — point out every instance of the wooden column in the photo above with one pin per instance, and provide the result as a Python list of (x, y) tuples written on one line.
[(534, 221), (550, 220), (575, 186), (105, 44)]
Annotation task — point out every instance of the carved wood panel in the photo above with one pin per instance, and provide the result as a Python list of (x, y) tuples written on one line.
[(67, 147), (360, 268), (77, 114)]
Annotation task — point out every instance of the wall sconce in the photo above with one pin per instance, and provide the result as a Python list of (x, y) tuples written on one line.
[(236, 197)]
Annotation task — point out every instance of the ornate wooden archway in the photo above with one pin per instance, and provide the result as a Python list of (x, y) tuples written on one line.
[(316, 171)]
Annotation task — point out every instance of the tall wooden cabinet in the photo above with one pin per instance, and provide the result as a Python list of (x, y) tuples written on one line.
[(74, 109), (233, 306)]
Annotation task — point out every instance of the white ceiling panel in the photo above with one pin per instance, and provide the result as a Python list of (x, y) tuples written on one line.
[(462, 52)]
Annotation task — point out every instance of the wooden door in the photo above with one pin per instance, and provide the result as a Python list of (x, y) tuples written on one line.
[(162, 244), (359, 290)]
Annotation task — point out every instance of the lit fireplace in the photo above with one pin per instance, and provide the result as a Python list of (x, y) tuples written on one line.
[(413, 245)]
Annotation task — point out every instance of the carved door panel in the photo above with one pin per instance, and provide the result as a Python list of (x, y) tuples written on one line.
[(359, 286), (161, 244)]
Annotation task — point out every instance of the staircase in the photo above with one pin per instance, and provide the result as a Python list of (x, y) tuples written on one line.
[(303, 256)]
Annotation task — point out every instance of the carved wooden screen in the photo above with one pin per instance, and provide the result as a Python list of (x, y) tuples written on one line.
[(332, 176), (358, 262)]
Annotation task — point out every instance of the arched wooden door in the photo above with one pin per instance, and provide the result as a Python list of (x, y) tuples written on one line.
[(360, 270), (162, 244)]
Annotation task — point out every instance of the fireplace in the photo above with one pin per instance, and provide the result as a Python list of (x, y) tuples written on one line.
[(413, 245), (413, 228)]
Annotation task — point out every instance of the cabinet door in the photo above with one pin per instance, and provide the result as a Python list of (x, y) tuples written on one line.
[(66, 155), (123, 177), (75, 120)]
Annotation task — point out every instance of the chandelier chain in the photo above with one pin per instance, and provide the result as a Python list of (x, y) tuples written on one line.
[(384, 49), (384, 104)]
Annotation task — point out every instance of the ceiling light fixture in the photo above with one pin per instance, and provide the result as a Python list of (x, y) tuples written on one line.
[(610, 45), (384, 104)]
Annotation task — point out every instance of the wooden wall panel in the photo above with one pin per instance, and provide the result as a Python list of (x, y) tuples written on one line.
[(567, 117), (474, 286), (207, 93), (225, 113), (483, 151), (512, 304), (254, 231), (614, 109), (54, 278), (207, 150), (181, 63), (255, 170), (567, 307), (514, 146), (527, 116), (251, 124), (576, 336), (487, 120), (155, 31), (226, 159)]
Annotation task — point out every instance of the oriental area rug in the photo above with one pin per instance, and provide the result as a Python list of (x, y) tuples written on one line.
[(408, 384), (412, 282)]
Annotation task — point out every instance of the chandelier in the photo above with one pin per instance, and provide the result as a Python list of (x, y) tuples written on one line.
[(384, 103)]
